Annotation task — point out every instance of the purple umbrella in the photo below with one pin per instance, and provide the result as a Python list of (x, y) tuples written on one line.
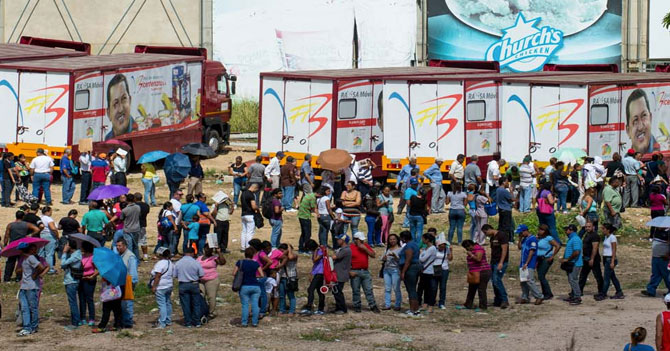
[(12, 248), (79, 238), (108, 192)]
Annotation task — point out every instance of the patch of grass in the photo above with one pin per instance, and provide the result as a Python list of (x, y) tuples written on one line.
[(318, 335), (125, 334), (387, 328), (244, 118), (210, 173)]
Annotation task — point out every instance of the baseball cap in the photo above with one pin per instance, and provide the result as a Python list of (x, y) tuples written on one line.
[(360, 236), (527, 159), (570, 227), (339, 211), (280, 153), (521, 228), (344, 237), (631, 151), (413, 181), (22, 246), (102, 155), (666, 299), (439, 159)]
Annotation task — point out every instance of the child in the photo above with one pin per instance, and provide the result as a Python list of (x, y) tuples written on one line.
[(636, 337), (30, 269), (193, 228), (271, 291), (337, 226), (316, 282), (111, 303)]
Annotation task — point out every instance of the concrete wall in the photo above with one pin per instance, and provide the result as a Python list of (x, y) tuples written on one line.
[(102, 23)]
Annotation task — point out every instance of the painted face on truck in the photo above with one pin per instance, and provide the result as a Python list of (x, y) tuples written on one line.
[(638, 121), (118, 105)]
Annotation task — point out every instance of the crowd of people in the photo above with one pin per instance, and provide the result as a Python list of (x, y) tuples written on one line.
[(267, 278)]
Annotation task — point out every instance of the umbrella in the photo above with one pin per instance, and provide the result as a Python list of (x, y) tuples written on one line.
[(660, 222), (79, 238), (199, 149), (116, 143), (569, 155), (108, 192), (110, 265), (334, 159), (176, 167), (152, 156), (12, 248)]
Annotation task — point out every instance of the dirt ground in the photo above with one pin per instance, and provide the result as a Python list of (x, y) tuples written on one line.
[(594, 326)]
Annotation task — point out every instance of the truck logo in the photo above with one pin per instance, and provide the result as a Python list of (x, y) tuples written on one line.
[(302, 111), (430, 114), (39, 102), (5, 83), (524, 47), (552, 118)]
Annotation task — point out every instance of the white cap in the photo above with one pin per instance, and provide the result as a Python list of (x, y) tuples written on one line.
[(360, 236), (441, 239), (666, 299), (339, 211), (439, 159), (121, 152)]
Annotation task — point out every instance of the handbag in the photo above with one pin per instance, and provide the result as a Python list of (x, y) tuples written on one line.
[(292, 284), (568, 266), (381, 270), (258, 220), (156, 179), (110, 293), (390, 217), (203, 220), (491, 209), (543, 206), (128, 293), (239, 277), (473, 277), (523, 275), (437, 269)]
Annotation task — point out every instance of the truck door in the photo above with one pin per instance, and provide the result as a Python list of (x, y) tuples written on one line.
[(33, 96), (545, 120), (450, 120), (320, 116), (296, 126), (355, 116), (573, 112), (57, 109), (89, 107), (423, 120), (377, 127), (396, 119), (481, 111), (273, 116), (9, 100), (604, 121), (516, 134)]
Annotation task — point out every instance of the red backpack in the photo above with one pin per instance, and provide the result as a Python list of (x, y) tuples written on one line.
[(329, 275)]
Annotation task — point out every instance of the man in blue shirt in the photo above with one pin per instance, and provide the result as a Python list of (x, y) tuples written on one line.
[(572, 263), (505, 202), (527, 264), (409, 192), (434, 173), (195, 175), (403, 180), (67, 177)]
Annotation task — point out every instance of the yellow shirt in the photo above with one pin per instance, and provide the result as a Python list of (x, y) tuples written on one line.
[(149, 171)]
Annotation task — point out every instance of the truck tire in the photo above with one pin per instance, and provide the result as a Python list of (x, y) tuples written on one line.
[(213, 139)]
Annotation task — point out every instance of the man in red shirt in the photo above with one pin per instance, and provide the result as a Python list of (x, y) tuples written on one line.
[(99, 170), (663, 327), (360, 275)]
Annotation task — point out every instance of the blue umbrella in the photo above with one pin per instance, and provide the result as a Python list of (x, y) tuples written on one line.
[(153, 156), (660, 222), (110, 266), (176, 167), (108, 192)]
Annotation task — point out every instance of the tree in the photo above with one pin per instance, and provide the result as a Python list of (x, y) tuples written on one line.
[(666, 21)]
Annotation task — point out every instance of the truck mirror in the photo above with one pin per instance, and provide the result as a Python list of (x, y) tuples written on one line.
[(232, 87)]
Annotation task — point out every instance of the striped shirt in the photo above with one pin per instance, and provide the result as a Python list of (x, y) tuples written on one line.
[(474, 266)]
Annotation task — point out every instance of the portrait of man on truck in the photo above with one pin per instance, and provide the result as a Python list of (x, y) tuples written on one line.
[(638, 123), (118, 107)]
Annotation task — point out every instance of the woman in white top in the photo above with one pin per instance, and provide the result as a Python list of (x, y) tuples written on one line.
[(610, 261), (459, 201), (162, 287), (428, 282), (325, 212), (50, 233), (442, 258)]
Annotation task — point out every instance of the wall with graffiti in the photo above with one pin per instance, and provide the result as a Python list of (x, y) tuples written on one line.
[(525, 35)]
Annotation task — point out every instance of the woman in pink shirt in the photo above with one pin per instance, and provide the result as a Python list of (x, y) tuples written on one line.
[(87, 284), (209, 283), (479, 272), (657, 203)]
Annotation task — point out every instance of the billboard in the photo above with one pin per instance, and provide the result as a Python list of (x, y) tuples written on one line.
[(524, 35), (658, 35)]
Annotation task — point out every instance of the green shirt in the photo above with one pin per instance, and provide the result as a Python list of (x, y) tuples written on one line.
[(613, 197), (94, 220), (307, 206)]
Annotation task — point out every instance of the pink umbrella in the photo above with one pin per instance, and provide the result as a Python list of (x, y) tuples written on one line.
[(12, 248), (116, 143)]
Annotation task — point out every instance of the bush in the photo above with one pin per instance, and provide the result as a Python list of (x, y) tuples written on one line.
[(244, 118)]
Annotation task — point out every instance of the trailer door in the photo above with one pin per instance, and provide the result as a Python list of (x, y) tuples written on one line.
[(296, 126), (320, 117), (481, 111), (516, 134), (396, 118), (9, 100), (89, 107), (423, 119), (604, 121), (33, 95), (450, 120), (377, 128), (355, 116), (57, 109), (572, 129), (545, 120), (273, 116)]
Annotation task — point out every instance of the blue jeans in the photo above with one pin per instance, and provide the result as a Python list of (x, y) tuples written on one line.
[(68, 189), (275, 237), (128, 310), (324, 228), (498, 285), (562, 198), (237, 188), (7, 187), (48, 250), (86, 292), (283, 293), (659, 271), (29, 310), (85, 186), (373, 238), (443, 287), (355, 220), (550, 221), (249, 295), (287, 199), (190, 304), (264, 297), (149, 191), (456, 221), (71, 291), (42, 180), (174, 240), (473, 224), (525, 198), (392, 284), (164, 306), (362, 278), (610, 275), (416, 227)]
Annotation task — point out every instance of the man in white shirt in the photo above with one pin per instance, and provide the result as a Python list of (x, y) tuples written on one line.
[(456, 170), (85, 169), (41, 168), (493, 174), (273, 170), (119, 162), (526, 177)]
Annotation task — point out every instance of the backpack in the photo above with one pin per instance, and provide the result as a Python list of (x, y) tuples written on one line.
[(267, 210)]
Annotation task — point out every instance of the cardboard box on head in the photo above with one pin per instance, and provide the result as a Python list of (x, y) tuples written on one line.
[(85, 145)]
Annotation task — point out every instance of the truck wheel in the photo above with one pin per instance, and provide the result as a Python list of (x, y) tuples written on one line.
[(214, 140)]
